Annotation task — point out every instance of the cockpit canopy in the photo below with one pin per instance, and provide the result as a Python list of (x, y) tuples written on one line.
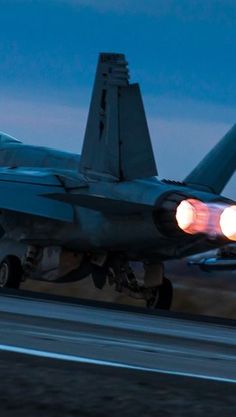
[(5, 138)]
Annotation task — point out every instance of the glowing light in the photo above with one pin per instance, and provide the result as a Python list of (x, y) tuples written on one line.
[(228, 222), (185, 214), (192, 216)]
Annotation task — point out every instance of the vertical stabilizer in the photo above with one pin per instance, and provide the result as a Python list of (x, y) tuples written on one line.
[(215, 170), (117, 144)]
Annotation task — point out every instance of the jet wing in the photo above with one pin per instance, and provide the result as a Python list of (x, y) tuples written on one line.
[(21, 191)]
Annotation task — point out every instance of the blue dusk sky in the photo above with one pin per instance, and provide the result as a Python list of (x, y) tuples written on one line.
[(182, 52)]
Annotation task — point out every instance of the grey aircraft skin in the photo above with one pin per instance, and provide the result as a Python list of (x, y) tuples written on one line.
[(106, 213)]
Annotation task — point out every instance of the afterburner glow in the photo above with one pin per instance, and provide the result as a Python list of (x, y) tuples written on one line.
[(228, 222), (211, 218), (192, 216), (185, 214)]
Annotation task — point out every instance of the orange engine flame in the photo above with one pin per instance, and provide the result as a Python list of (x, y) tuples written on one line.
[(228, 222), (214, 219), (193, 216)]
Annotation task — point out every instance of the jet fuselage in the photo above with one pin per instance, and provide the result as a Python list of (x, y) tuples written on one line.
[(92, 230)]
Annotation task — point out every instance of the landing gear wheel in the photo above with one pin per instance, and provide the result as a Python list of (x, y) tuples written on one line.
[(99, 274), (162, 297), (165, 295), (10, 272)]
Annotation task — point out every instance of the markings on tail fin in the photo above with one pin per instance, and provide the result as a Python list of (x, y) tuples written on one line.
[(117, 144)]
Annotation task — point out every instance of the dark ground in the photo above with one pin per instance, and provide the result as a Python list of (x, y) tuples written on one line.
[(40, 387), (33, 387)]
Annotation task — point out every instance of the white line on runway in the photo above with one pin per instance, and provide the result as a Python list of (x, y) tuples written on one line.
[(81, 359)]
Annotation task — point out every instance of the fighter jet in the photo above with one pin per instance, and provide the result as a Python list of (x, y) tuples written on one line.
[(106, 213)]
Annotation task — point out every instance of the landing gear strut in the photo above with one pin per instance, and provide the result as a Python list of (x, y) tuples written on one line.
[(10, 272), (152, 286)]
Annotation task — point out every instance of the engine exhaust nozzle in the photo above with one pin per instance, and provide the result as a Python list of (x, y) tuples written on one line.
[(192, 216)]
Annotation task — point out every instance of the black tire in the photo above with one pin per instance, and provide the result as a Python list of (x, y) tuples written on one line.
[(165, 295), (10, 272), (99, 275)]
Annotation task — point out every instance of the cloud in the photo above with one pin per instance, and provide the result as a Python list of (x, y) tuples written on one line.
[(180, 144), (211, 10), (46, 124), (50, 42), (186, 10), (185, 108)]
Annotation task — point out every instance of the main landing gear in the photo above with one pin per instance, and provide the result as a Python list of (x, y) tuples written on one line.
[(139, 280), (162, 296), (10, 272), (148, 284)]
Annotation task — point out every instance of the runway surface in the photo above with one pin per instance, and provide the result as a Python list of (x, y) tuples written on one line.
[(91, 334)]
